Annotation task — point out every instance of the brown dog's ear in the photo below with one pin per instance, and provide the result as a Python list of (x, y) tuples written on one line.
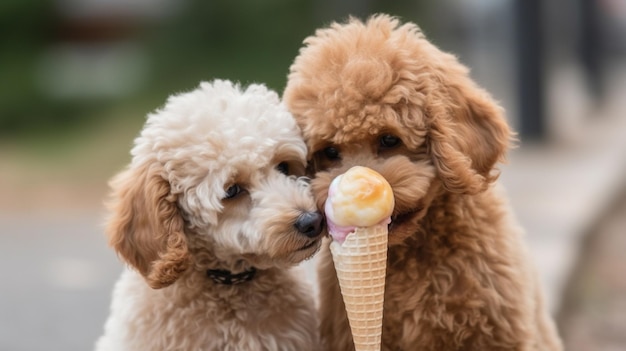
[(468, 135), (146, 228)]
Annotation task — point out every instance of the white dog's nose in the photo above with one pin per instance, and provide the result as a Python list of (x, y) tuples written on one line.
[(310, 224)]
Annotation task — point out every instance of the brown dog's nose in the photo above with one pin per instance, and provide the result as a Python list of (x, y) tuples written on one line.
[(310, 224)]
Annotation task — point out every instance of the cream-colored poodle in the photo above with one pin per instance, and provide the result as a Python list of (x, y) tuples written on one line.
[(211, 217), (378, 94)]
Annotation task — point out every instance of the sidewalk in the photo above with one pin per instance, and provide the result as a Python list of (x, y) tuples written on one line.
[(558, 190)]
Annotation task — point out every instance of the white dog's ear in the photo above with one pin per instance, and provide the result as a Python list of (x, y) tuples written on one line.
[(468, 134), (146, 227)]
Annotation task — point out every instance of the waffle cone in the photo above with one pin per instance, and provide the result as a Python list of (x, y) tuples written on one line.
[(361, 263)]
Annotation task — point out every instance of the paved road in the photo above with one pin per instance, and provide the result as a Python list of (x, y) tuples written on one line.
[(57, 274)]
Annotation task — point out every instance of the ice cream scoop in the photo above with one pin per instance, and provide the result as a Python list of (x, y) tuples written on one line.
[(360, 197)]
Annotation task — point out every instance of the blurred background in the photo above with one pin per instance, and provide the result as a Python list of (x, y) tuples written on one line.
[(79, 77)]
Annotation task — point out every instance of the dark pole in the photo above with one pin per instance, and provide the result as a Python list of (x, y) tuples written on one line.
[(529, 43), (591, 46)]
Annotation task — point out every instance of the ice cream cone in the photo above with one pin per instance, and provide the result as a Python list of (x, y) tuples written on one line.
[(361, 263)]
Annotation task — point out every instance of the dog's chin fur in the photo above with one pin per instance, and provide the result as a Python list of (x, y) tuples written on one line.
[(458, 277), (173, 218)]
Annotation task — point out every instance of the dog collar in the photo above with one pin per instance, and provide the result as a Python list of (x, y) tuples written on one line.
[(221, 276)]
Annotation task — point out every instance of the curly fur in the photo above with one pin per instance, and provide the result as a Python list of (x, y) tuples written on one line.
[(458, 276), (171, 222)]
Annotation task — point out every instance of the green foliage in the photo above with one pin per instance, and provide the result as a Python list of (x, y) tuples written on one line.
[(247, 41), (25, 30), (242, 40)]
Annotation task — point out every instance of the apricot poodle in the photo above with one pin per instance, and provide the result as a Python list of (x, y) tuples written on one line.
[(211, 216), (378, 94)]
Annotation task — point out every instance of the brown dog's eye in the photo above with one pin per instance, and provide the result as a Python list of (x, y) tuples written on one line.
[(331, 153), (389, 141)]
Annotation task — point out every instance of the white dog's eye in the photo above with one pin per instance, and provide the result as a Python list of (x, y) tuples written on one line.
[(232, 191), (283, 168)]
